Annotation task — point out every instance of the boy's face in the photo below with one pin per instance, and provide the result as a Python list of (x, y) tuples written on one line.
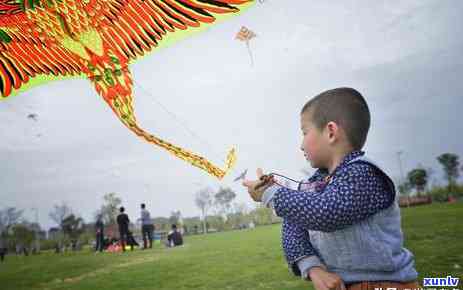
[(315, 143)]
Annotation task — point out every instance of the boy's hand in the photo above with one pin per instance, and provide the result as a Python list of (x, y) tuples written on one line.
[(324, 280), (256, 194)]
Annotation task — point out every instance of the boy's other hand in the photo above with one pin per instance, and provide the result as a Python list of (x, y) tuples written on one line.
[(256, 195), (324, 280)]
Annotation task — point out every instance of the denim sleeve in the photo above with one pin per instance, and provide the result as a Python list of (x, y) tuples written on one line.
[(298, 250), (307, 263), (268, 195), (355, 193)]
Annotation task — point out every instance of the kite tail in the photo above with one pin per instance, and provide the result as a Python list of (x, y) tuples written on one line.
[(186, 155), (116, 89), (250, 53)]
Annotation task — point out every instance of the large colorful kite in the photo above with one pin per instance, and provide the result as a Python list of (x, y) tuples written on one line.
[(41, 40)]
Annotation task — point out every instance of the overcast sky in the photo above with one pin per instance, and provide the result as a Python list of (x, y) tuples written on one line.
[(403, 56)]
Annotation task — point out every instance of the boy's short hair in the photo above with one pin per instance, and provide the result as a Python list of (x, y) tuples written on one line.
[(143, 205), (346, 107), (121, 209)]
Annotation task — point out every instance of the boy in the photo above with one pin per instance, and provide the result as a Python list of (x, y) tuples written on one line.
[(341, 227)]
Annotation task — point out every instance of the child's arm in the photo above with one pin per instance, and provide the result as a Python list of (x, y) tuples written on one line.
[(355, 193), (298, 250)]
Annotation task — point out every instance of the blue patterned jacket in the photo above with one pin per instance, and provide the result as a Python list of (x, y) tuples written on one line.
[(343, 223)]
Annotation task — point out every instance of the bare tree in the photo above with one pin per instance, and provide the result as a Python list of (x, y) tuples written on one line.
[(203, 201), (9, 217), (73, 226), (223, 200), (240, 216), (23, 235), (59, 213), (110, 208), (175, 217), (242, 208)]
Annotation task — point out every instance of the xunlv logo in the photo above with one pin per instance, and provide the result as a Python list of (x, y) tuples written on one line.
[(449, 281)]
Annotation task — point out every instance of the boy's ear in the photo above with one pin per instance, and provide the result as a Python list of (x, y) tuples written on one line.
[(332, 130)]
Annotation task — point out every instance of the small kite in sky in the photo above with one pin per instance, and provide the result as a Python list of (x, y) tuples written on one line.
[(32, 116), (241, 176)]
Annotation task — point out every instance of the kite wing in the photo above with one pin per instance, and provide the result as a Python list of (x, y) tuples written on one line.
[(50, 37), (26, 51), (138, 26)]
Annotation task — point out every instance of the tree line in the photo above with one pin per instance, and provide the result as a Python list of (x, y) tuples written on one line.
[(417, 180), (218, 212)]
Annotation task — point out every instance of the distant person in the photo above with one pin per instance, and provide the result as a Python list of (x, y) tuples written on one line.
[(99, 229), (57, 248), (123, 223), (146, 227), (174, 238), (2, 248), (25, 251)]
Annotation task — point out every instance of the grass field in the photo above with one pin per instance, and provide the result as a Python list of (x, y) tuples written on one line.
[(250, 259)]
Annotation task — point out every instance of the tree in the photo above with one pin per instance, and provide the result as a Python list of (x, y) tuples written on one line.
[(9, 217), (418, 178), (223, 200), (240, 215), (404, 189), (161, 223), (73, 226), (262, 215), (192, 224), (59, 213), (215, 222), (23, 235), (203, 201), (110, 208), (450, 163)]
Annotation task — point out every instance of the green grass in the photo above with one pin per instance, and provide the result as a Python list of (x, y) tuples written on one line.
[(232, 260)]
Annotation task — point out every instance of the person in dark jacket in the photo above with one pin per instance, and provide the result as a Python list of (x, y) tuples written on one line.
[(123, 223), (2, 247), (99, 229)]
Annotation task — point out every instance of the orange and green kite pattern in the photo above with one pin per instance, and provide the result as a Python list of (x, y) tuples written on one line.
[(42, 40)]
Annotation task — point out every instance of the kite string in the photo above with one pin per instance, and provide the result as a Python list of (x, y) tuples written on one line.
[(266, 178), (250, 52), (178, 120)]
